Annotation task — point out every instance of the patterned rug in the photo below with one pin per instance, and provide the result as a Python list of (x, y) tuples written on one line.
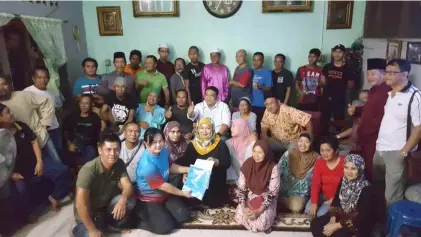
[(223, 218)]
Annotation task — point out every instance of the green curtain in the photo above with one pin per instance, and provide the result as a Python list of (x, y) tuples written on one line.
[(48, 35)]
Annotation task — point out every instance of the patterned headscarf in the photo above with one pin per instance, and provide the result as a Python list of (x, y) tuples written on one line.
[(351, 189), (204, 146), (176, 149)]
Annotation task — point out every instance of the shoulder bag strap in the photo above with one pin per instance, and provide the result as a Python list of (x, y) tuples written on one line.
[(133, 155)]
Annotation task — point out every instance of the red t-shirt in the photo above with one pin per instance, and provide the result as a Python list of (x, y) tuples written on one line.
[(309, 79), (326, 180)]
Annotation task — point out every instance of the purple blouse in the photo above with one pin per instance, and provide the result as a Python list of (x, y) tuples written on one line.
[(217, 76)]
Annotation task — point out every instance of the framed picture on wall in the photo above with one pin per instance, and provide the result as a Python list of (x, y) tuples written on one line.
[(394, 48), (286, 6), (339, 14), (109, 21), (155, 8), (413, 52)]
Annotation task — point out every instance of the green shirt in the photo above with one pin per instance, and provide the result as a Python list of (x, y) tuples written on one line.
[(102, 184), (156, 81)]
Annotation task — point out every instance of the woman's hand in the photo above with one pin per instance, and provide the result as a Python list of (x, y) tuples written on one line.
[(328, 202), (16, 176), (257, 213), (216, 161), (330, 228), (71, 147), (39, 169), (313, 209), (186, 194), (184, 178)]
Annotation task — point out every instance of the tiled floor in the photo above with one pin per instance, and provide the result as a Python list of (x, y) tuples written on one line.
[(60, 224)]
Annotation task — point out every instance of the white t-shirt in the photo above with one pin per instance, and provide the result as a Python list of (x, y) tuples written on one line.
[(54, 122)]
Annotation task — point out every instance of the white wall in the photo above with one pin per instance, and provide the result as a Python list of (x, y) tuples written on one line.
[(376, 48)]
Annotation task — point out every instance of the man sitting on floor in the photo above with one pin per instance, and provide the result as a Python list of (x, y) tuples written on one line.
[(285, 124), (103, 191)]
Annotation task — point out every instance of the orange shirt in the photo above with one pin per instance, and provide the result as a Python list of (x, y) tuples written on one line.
[(128, 69)]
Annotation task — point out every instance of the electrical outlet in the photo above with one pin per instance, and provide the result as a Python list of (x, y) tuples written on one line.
[(107, 62)]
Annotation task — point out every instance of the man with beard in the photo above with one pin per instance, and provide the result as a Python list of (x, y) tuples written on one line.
[(152, 79), (106, 85), (135, 65)]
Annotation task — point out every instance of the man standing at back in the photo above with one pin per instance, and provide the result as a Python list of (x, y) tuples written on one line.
[(282, 80), (216, 74), (192, 75), (400, 130), (135, 65)]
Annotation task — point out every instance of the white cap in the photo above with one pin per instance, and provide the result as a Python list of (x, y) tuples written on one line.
[(164, 45), (215, 50)]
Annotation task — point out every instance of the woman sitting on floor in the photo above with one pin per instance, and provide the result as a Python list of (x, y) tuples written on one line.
[(258, 188), (350, 212), (296, 170), (327, 176), (160, 207), (240, 146), (207, 145), (82, 129), (176, 145)]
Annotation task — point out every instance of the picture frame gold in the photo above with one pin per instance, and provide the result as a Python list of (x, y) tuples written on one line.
[(339, 14), (287, 6), (109, 21), (155, 8), (394, 49)]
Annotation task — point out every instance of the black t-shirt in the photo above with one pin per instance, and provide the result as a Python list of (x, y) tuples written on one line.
[(337, 80), (83, 129), (120, 109), (193, 74), (180, 115), (25, 157), (281, 81)]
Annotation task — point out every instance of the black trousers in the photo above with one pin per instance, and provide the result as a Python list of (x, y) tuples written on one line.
[(162, 218), (313, 107), (318, 224), (259, 111), (332, 107)]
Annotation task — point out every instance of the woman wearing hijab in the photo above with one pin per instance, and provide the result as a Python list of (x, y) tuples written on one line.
[(240, 146), (258, 188), (176, 145), (207, 145), (350, 212), (296, 169)]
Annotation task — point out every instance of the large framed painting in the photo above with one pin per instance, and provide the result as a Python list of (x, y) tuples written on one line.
[(155, 8), (413, 52), (286, 6), (339, 14), (394, 48), (109, 21)]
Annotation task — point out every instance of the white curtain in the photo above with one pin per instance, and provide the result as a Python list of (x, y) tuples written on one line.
[(48, 35), (4, 61)]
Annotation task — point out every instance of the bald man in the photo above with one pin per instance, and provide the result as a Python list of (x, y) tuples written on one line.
[(241, 82)]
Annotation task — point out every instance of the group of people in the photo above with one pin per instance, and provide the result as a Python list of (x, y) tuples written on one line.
[(136, 131)]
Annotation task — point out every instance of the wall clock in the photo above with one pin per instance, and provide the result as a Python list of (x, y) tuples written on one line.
[(222, 8)]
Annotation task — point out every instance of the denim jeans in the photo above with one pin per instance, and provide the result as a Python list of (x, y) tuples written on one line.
[(49, 150), (323, 208), (56, 137), (101, 223)]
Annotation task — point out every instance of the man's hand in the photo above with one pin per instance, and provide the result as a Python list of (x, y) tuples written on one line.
[(216, 161), (351, 110), (144, 124), (119, 209), (71, 147), (39, 169), (16, 176), (256, 85), (264, 136), (330, 228), (313, 209), (300, 93), (190, 109), (96, 233), (168, 113), (184, 178), (328, 202), (187, 194)]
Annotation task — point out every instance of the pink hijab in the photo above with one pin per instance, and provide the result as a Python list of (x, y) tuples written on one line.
[(240, 139)]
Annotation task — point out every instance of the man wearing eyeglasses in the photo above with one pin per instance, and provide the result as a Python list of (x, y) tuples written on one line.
[(402, 109), (372, 112)]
